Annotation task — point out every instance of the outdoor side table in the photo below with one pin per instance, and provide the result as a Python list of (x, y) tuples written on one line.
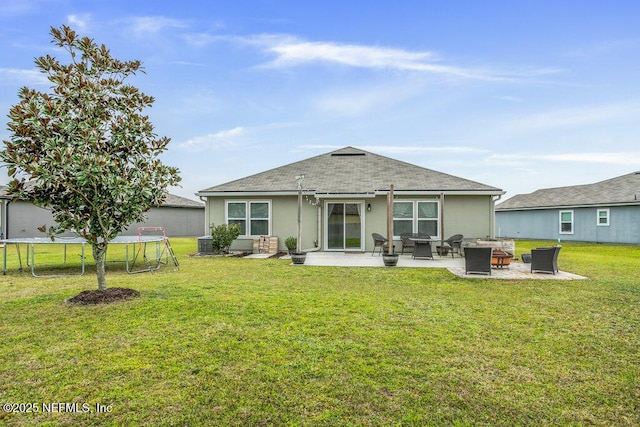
[(422, 248)]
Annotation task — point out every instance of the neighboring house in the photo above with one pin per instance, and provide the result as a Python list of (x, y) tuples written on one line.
[(607, 211), (178, 215), (345, 201)]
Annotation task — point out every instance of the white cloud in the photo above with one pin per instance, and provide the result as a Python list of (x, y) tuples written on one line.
[(212, 141), (23, 77), (290, 51), (79, 22), (141, 25)]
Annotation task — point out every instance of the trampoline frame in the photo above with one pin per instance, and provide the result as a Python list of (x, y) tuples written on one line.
[(162, 252)]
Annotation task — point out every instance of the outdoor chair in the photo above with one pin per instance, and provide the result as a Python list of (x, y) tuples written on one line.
[(477, 260), (545, 259), (408, 243), (455, 242), (378, 242)]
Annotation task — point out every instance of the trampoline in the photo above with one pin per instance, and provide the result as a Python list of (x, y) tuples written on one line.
[(149, 253)]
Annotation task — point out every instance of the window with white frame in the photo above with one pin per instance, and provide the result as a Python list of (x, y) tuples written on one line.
[(603, 217), (566, 222), (416, 216), (254, 217)]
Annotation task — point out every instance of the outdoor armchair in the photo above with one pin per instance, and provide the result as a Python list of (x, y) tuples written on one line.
[(477, 260), (455, 242), (545, 259), (378, 242)]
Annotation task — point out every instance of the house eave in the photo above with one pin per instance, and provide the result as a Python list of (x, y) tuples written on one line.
[(350, 195), (572, 206)]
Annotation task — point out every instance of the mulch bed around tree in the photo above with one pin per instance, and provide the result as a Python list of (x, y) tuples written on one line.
[(107, 296)]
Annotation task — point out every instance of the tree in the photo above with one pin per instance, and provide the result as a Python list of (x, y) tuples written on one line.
[(86, 150)]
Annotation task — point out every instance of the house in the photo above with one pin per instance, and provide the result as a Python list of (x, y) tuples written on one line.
[(178, 215), (607, 211), (345, 201)]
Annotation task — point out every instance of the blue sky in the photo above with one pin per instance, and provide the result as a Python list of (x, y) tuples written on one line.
[(520, 95)]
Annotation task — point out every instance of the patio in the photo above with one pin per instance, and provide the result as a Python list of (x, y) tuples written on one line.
[(516, 270)]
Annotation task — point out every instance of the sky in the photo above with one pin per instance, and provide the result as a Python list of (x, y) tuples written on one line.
[(519, 95)]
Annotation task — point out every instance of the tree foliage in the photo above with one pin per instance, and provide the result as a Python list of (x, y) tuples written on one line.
[(86, 151)]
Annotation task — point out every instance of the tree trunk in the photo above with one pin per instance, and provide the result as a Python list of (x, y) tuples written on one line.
[(99, 254)]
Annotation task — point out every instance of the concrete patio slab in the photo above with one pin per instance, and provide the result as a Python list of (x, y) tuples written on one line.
[(515, 271)]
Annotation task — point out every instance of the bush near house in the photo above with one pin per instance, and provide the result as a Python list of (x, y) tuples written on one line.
[(222, 236)]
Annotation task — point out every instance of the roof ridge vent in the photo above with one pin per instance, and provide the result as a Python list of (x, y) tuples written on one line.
[(348, 154)]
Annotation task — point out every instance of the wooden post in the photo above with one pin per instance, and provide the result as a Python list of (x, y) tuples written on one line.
[(390, 220), (299, 178)]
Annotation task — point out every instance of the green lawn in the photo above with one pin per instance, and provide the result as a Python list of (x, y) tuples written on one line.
[(228, 341)]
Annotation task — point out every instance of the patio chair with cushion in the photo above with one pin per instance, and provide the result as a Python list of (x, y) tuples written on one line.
[(408, 243), (477, 260), (378, 242), (545, 259)]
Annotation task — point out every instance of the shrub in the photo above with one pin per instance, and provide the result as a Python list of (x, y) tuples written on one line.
[(291, 243), (222, 236)]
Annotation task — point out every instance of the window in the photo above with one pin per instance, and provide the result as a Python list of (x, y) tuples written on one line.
[(419, 216), (566, 222), (603, 218), (253, 217)]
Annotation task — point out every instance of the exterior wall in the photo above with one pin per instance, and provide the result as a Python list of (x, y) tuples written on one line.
[(24, 218), (543, 224), (471, 216), (284, 220), (178, 222)]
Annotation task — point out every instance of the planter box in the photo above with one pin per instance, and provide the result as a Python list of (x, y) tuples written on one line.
[(265, 245), (298, 257), (390, 260)]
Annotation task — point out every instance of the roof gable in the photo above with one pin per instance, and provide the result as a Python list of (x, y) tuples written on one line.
[(624, 189), (350, 171)]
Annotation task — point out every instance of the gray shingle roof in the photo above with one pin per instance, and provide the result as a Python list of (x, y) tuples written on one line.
[(351, 171), (624, 189), (172, 200), (176, 201)]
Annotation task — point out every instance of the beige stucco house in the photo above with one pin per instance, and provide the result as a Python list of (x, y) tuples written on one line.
[(345, 201)]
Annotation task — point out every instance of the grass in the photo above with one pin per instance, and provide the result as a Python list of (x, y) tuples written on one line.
[(227, 341)]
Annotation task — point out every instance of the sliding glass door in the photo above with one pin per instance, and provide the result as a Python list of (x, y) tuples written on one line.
[(344, 227)]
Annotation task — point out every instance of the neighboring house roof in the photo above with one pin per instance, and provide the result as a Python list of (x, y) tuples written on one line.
[(350, 171), (175, 201), (622, 190), (172, 200)]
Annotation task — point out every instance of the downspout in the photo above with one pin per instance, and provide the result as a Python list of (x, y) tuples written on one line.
[(205, 200), (318, 231), (492, 215)]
